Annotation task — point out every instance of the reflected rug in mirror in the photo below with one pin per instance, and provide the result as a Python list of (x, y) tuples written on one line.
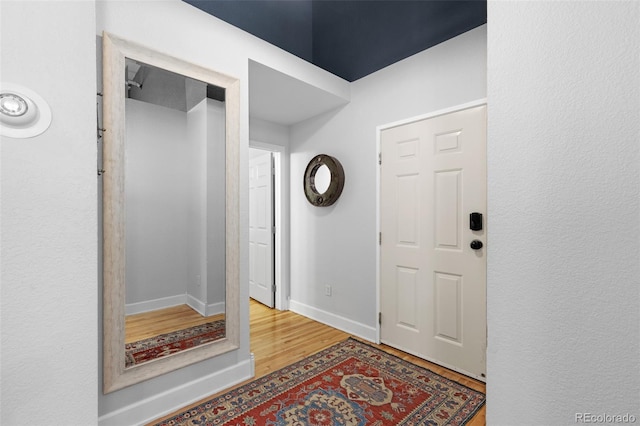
[(169, 343), (351, 383)]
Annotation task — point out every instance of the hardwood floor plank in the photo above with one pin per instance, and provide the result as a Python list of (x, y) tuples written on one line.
[(279, 338), (150, 324)]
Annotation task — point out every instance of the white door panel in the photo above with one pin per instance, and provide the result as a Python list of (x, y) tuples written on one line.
[(433, 285), (261, 253)]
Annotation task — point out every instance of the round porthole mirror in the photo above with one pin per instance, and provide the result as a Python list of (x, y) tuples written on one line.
[(323, 180)]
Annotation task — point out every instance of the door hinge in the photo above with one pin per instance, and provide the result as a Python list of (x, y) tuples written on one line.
[(379, 238), (273, 288), (380, 318), (380, 158), (99, 133), (100, 130), (273, 229)]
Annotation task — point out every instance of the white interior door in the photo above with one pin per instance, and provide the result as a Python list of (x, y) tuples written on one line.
[(261, 227), (432, 283)]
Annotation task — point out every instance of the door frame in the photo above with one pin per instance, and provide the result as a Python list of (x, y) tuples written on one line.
[(379, 129), (281, 215)]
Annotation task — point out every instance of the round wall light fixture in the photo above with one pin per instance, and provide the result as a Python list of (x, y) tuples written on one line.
[(23, 113)]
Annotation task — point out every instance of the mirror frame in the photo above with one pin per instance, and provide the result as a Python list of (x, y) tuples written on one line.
[(115, 375), (336, 183)]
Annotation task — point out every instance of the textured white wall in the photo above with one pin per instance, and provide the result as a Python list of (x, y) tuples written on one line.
[(49, 335), (564, 196), (337, 245)]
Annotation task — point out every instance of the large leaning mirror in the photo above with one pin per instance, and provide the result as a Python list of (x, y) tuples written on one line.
[(170, 212)]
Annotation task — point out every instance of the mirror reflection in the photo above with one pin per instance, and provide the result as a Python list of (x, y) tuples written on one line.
[(322, 179), (174, 184)]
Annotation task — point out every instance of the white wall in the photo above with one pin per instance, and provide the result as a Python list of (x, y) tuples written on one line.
[(337, 245), (563, 252), (216, 207), (49, 291), (197, 255), (263, 132), (159, 202)]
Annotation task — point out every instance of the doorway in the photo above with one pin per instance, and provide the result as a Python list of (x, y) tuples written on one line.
[(261, 228), (268, 230), (432, 223)]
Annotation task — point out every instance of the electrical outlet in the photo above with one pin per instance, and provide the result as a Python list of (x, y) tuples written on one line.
[(327, 290)]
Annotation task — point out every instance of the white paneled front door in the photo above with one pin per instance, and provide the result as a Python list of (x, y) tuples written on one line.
[(432, 282), (261, 253)]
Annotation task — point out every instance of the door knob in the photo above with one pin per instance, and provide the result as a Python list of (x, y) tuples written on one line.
[(476, 244)]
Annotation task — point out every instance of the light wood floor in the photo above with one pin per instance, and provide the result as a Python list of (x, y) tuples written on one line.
[(149, 324), (279, 338)]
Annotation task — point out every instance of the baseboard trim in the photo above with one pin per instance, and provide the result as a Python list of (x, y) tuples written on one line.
[(174, 399), (180, 299), (341, 323), (216, 308), (155, 304), (197, 305)]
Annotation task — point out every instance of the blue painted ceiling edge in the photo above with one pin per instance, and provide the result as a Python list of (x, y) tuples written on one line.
[(350, 38)]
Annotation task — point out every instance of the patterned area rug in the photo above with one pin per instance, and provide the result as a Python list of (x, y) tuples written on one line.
[(166, 344), (350, 383)]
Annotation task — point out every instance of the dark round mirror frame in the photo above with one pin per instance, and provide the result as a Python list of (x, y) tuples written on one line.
[(336, 184)]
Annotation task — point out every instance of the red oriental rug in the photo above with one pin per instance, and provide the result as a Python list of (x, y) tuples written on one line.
[(350, 383), (166, 344)]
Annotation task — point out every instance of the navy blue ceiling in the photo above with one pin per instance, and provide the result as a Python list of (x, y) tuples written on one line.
[(350, 38)]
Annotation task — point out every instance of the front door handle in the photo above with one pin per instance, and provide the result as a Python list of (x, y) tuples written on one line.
[(476, 244)]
